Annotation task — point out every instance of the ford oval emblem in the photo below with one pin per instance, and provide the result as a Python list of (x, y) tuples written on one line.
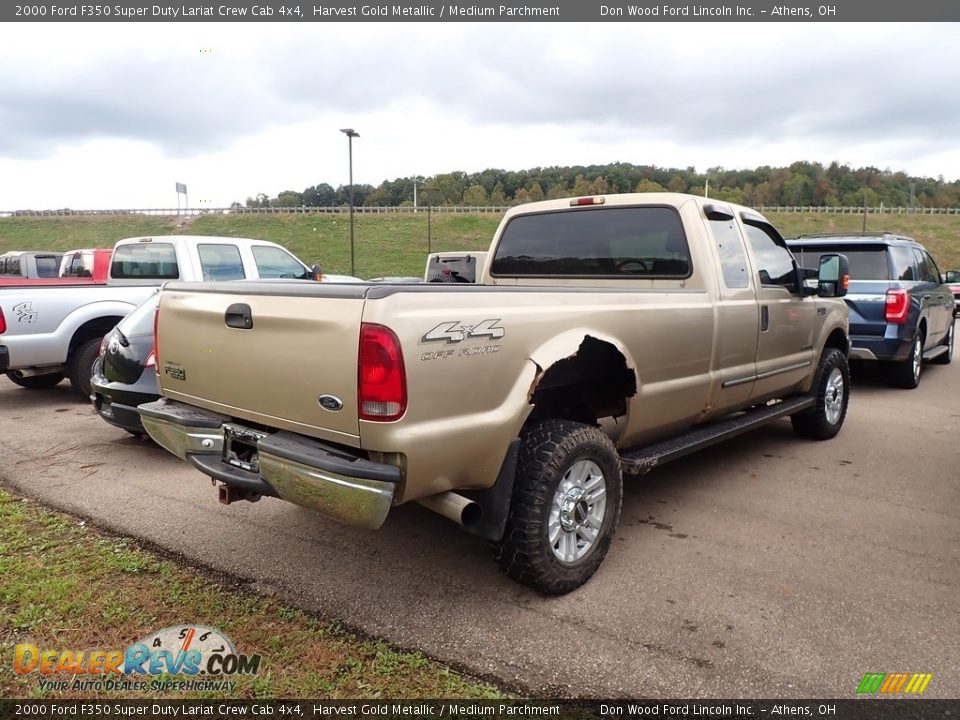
[(330, 402)]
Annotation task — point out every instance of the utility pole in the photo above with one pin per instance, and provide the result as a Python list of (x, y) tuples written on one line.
[(351, 134)]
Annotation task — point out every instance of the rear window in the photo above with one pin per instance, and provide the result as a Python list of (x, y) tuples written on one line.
[(145, 261), (613, 242), (866, 263), (48, 266)]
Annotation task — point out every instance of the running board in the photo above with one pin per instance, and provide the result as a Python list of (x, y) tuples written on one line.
[(935, 352), (643, 459)]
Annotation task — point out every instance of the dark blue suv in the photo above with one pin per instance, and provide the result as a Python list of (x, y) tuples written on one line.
[(901, 314)]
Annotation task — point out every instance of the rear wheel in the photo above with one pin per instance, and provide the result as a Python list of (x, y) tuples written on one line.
[(831, 389), (946, 357), (565, 506), (37, 382), (80, 366), (906, 373)]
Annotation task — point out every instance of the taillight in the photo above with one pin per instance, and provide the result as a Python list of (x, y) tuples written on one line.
[(151, 360), (381, 379), (3, 323), (155, 352), (897, 306), (595, 200)]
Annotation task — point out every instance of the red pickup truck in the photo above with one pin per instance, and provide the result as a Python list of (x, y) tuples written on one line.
[(78, 267)]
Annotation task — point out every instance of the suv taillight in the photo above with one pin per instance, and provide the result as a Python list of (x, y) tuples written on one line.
[(155, 352), (897, 306), (3, 323), (381, 379)]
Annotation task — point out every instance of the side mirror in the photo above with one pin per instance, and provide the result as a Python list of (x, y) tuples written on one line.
[(316, 273), (833, 277), (951, 276)]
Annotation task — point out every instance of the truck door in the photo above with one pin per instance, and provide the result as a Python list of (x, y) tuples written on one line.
[(935, 298), (738, 320), (787, 320)]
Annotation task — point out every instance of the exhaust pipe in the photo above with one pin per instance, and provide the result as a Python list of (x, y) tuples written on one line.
[(463, 511), (36, 372)]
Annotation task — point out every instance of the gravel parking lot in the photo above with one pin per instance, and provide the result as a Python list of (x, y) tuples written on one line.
[(768, 566)]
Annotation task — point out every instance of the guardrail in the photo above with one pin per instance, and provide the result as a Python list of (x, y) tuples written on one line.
[(343, 209)]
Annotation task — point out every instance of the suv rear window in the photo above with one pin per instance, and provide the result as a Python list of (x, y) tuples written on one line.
[(145, 261), (614, 242), (866, 262)]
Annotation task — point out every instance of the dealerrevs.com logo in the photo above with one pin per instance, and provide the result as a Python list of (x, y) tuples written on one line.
[(203, 658), (894, 683)]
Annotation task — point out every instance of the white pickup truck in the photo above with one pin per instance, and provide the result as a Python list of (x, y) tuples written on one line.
[(50, 333)]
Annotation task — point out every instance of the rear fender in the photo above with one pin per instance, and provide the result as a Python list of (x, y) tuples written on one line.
[(582, 375)]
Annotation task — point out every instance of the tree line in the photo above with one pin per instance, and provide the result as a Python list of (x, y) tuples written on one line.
[(800, 184)]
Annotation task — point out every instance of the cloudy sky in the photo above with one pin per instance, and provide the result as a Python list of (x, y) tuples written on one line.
[(98, 116)]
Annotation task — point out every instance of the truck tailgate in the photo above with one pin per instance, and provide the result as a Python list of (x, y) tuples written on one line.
[(265, 352)]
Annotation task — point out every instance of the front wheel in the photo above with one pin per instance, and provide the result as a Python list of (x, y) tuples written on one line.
[(80, 366), (831, 392), (565, 506)]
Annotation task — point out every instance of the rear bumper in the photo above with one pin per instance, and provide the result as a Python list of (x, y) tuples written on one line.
[(884, 349), (4, 358), (117, 403), (322, 477), (121, 415)]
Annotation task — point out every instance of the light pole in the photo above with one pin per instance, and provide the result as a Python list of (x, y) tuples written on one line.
[(426, 189), (351, 134)]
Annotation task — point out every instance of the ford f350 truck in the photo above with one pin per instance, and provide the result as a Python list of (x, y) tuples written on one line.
[(607, 335)]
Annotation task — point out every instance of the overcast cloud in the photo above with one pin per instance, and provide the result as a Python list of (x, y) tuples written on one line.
[(113, 115)]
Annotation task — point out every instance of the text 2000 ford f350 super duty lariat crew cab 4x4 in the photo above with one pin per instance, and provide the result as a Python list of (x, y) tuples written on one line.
[(606, 335)]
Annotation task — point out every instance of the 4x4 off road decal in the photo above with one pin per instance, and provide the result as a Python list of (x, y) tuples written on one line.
[(454, 332)]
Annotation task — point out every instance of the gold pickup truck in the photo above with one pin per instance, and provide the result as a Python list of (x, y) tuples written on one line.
[(606, 335)]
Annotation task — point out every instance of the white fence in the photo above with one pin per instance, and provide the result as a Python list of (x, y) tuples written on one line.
[(406, 210)]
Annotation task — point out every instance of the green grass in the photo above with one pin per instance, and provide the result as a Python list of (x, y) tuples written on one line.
[(396, 243), (67, 586)]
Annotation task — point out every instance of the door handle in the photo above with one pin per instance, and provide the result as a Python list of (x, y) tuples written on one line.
[(239, 316), (764, 318)]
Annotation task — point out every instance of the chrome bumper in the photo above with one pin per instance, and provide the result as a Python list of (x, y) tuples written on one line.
[(306, 472), (861, 354)]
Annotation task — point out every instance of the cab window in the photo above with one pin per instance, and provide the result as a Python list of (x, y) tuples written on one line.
[(78, 265), (221, 262), (733, 254), (48, 266), (273, 262), (774, 262)]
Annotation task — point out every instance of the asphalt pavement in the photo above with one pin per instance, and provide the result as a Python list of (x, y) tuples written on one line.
[(768, 566)]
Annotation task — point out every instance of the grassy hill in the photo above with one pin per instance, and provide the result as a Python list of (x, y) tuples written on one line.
[(396, 244)]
